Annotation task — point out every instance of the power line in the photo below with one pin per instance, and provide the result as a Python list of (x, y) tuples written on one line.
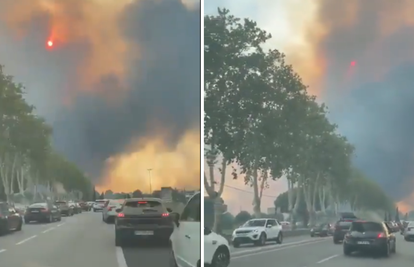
[(245, 191)]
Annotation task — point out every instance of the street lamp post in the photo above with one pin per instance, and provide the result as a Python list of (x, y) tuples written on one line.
[(149, 179)]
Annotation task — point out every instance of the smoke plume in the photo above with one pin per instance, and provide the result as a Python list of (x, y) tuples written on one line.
[(121, 84)]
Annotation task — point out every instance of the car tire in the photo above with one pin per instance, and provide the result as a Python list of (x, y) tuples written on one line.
[(312, 235), (50, 219), (172, 261), (94, 210), (336, 241), (19, 228), (262, 240), (221, 257), (386, 251), (59, 218), (279, 239), (118, 240), (394, 248), (347, 251)]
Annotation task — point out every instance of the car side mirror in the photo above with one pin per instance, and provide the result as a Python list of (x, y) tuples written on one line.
[(207, 231), (268, 226), (175, 218), (118, 210), (169, 210)]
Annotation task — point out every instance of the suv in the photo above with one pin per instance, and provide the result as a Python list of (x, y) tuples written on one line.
[(185, 239), (341, 228), (258, 232), (409, 232), (10, 219)]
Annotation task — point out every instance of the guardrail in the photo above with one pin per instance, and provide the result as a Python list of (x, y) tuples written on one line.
[(286, 233)]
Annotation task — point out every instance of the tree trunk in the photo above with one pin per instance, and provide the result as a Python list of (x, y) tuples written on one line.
[(256, 198)]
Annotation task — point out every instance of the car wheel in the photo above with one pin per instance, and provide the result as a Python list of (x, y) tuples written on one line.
[(347, 251), (19, 228), (312, 235), (279, 238), (221, 258), (394, 248), (118, 240), (336, 241), (50, 219), (59, 218), (386, 251), (172, 261), (262, 240)]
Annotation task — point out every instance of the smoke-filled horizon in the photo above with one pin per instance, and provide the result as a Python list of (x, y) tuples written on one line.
[(120, 86)]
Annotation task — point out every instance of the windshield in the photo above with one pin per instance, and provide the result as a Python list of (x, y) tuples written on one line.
[(366, 227), (255, 223)]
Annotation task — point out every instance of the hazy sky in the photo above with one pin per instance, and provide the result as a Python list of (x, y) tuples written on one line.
[(372, 101)]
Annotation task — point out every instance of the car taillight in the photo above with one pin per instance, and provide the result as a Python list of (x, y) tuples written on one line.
[(381, 235), (121, 215), (44, 210), (165, 214), (110, 208)]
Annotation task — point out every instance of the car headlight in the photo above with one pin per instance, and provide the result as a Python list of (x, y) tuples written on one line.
[(255, 230)]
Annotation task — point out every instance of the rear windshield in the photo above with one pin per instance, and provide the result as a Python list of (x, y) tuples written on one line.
[(345, 224), (100, 201), (61, 202), (255, 223), (366, 227), (116, 201), (38, 205), (143, 204)]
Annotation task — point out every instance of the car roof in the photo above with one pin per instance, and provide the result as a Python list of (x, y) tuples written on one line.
[(144, 199)]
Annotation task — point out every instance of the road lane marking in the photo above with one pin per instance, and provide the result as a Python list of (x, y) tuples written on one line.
[(120, 258), (25, 240), (327, 259), (59, 225), (305, 241), (2, 250), (47, 230), (273, 250)]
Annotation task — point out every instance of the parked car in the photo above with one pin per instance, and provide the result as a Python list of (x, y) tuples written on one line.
[(109, 213), (10, 219), (322, 229), (64, 207), (99, 205)]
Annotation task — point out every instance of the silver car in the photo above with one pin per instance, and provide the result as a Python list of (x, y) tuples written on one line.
[(109, 212)]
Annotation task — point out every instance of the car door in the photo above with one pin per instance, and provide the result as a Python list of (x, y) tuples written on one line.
[(272, 232), (4, 208), (189, 233)]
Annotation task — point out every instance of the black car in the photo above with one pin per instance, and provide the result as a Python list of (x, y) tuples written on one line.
[(143, 219), (370, 236), (341, 228), (64, 208), (10, 219), (42, 212), (323, 229)]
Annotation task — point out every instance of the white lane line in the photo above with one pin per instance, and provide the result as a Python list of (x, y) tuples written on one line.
[(2, 250), (120, 258), (47, 230), (327, 259), (59, 225), (273, 250), (25, 240)]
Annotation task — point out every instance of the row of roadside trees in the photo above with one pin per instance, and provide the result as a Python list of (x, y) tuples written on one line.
[(28, 162), (261, 121)]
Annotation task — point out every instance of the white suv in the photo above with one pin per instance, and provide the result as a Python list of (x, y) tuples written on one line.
[(258, 232), (409, 232), (99, 205), (185, 239)]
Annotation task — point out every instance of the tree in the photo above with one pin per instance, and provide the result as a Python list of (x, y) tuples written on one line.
[(397, 215), (137, 193), (227, 221), (242, 217)]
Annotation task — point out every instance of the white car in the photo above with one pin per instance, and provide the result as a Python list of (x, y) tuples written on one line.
[(409, 232), (109, 212), (99, 205), (185, 239), (258, 232)]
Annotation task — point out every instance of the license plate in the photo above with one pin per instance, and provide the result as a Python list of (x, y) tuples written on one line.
[(34, 211), (144, 232), (363, 242)]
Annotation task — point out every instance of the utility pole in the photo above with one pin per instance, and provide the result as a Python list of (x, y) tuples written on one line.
[(149, 178)]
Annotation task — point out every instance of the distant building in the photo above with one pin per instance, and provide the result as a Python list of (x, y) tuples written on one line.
[(166, 194)]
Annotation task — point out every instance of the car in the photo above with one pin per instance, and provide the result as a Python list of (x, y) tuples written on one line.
[(42, 212), (186, 238), (64, 208), (369, 236), (84, 206), (258, 232), (10, 219), (20, 208), (109, 212), (142, 219), (322, 229), (341, 228), (99, 205), (409, 232)]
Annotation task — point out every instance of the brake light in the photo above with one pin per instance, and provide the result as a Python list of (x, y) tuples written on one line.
[(44, 210), (381, 235), (165, 214), (142, 202), (110, 208), (121, 215)]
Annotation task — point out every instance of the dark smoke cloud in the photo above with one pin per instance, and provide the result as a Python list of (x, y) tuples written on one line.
[(374, 102), (162, 87)]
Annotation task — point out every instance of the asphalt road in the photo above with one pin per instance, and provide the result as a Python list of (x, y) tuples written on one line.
[(81, 240), (318, 252)]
